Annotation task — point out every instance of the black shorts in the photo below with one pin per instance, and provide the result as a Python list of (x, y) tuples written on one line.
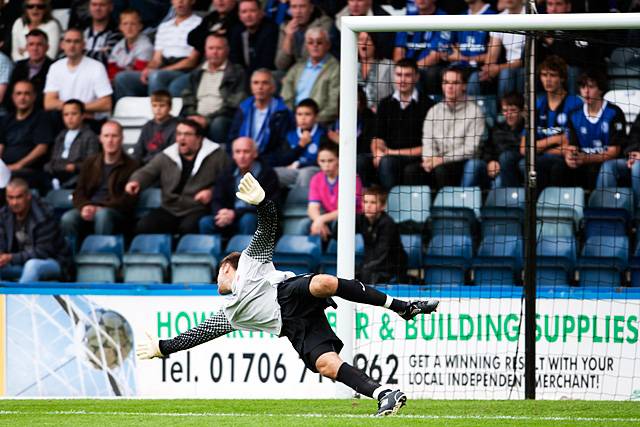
[(304, 321)]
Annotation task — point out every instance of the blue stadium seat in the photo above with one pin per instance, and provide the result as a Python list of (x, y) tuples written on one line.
[(413, 247), (456, 210), (149, 199), (499, 260), (489, 106), (555, 260), (99, 258), (609, 212), (60, 200), (147, 260), (634, 265), (196, 258), (294, 212), (329, 258), (409, 206), (447, 259), (296, 226), (300, 254), (603, 261), (553, 228), (561, 205), (503, 212), (238, 243)]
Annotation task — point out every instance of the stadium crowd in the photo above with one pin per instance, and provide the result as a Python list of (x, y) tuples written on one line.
[(259, 85)]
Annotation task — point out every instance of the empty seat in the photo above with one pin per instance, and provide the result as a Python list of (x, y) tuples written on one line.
[(149, 199), (296, 226), (294, 212), (409, 206), (196, 258), (412, 244), (135, 111), (329, 258), (552, 228), (603, 260), (99, 258), (555, 260), (503, 212), (609, 212), (634, 265), (300, 254), (147, 260), (60, 200), (489, 108), (238, 243), (447, 259), (499, 260), (561, 205), (626, 97), (455, 210)]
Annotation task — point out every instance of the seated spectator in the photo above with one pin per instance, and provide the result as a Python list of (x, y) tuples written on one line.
[(37, 15), (34, 68), (317, 78), (300, 158), (553, 109), (215, 90), (263, 117), (323, 194), (187, 171), (101, 205), (356, 8), (159, 132), (6, 66), (375, 74), (397, 141), (385, 259), (510, 74), (425, 47), (254, 46), (101, 32), (450, 135), (223, 21), (597, 134), (302, 16), (134, 51), (624, 172), (230, 214), (365, 130), (172, 57), (77, 77), (32, 247), (25, 137), (71, 147)]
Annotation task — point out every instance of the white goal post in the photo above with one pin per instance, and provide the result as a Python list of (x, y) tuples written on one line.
[(350, 27)]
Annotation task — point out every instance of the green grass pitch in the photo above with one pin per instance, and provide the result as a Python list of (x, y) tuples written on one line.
[(356, 412)]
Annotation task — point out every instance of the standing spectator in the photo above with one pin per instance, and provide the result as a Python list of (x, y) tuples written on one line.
[(375, 74), (223, 21), (317, 78), (159, 132), (77, 77), (101, 34), (34, 68), (187, 171), (450, 135), (101, 206), (255, 45), (37, 15), (6, 66), (263, 117), (397, 141), (32, 247), (291, 47), (71, 147), (215, 90), (172, 57), (230, 214), (134, 51)]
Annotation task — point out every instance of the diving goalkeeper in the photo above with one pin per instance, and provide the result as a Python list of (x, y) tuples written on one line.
[(261, 298)]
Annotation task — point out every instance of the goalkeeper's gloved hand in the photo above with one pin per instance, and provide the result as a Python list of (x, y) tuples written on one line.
[(249, 190), (149, 348)]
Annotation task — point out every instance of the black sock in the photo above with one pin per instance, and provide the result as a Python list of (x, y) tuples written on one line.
[(356, 291), (357, 380), (398, 305)]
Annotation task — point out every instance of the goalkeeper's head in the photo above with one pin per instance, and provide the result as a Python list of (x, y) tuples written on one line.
[(227, 272)]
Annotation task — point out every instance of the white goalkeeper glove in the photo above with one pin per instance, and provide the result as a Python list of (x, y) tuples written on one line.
[(149, 348), (249, 190)]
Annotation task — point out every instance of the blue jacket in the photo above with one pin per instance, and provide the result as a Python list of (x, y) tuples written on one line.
[(307, 156)]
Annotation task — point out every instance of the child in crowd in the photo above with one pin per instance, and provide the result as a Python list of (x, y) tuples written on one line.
[(323, 193), (158, 133), (71, 147), (134, 51), (301, 147), (384, 255)]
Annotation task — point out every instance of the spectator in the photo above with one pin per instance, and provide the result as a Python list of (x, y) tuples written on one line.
[(172, 57), (624, 172), (187, 171), (215, 90), (134, 51), (300, 160), (397, 141), (37, 15), (450, 135), (77, 77), (32, 248), (6, 66), (34, 68), (291, 47), (255, 45), (223, 21), (317, 78), (365, 126), (553, 109), (385, 259), (358, 8), (597, 134), (510, 74), (71, 147), (425, 47), (230, 214), (101, 33), (25, 137), (374, 73), (101, 206), (323, 194), (263, 117), (159, 132)]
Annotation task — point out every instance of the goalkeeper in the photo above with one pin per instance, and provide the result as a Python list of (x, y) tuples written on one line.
[(261, 298)]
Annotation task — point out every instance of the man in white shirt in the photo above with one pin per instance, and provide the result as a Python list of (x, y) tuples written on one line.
[(261, 298)]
